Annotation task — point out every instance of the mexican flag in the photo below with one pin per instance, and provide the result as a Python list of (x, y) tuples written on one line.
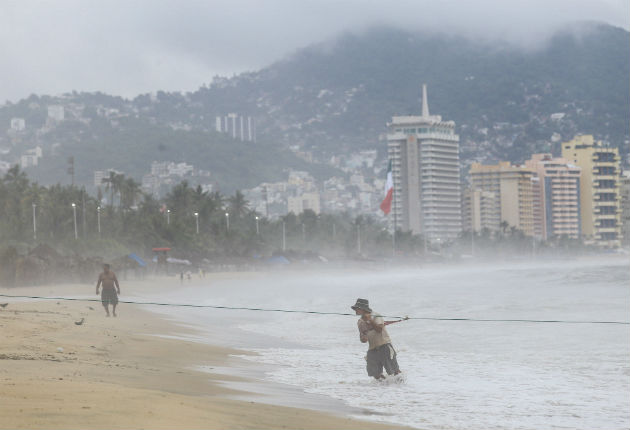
[(386, 204)]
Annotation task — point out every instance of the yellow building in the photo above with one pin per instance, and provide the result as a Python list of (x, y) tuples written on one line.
[(600, 196), (480, 210), (513, 196), (625, 207)]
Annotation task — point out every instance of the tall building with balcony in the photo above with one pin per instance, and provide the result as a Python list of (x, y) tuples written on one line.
[(480, 210), (600, 197), (558, 192), (424, 151), (512, 188), (625, 207)]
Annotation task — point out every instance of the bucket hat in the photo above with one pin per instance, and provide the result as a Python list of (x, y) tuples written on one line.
[(362, 304)]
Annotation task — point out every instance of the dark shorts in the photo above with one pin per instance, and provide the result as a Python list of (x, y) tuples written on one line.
[(109, 296), (382, 357)]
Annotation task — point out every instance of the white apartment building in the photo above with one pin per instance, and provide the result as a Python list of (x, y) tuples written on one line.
[(425, 167), (169, 168), (31, 157), (237, 126), (28, 160), (180, 169), (299, 204), (18, 124), (101, 177)]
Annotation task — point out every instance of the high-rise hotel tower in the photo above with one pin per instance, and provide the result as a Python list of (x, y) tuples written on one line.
[(600, 194), (424, 151)]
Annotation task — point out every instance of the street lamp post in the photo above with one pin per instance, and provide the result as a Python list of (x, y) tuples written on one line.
[(227, 221), (393, 240), (197, 221), (74, 212), (257, 229), (34, 222), (284, 236), (168, 217), (472, 231), (98, 220), (533, 245)]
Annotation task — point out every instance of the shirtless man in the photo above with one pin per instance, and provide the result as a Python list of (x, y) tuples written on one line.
[(108, 280)]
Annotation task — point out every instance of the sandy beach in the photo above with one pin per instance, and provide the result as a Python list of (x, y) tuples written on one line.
[(116, 373)]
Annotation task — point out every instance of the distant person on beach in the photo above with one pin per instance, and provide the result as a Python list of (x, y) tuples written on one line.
[(111, 289), (381, 353), (181, 277)]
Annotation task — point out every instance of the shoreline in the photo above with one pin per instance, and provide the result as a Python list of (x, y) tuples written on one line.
[(134, 371)]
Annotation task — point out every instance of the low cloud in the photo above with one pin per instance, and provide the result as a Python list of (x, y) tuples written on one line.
[(127, 48)]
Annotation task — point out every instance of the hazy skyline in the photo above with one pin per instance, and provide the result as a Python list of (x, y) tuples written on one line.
[(129, 48)]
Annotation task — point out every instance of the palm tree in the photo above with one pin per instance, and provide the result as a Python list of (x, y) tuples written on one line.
[(130, 190), (15, 185), (110, 186), (118, 185), (16, 178), (238, 205), (215, 201), (180, 198)]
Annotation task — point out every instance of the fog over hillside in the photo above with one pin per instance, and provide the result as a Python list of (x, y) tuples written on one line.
[(129, 48), (334, 98)]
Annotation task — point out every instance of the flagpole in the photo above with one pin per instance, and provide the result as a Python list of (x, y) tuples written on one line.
[(394, 225), (394, 234)]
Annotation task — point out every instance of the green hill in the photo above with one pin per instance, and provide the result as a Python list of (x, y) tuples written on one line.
[(336, 97)]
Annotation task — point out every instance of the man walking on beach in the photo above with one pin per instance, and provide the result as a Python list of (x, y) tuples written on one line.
[(381, 353), (109, 295)]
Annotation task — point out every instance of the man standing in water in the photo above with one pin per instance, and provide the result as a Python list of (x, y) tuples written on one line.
[(108, 280), (380, 353)]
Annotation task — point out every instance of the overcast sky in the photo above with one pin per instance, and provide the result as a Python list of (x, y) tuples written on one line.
[(128, 47)]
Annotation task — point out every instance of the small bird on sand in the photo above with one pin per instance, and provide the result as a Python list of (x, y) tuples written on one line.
[(90, 308), (3, 305), (79, 322)]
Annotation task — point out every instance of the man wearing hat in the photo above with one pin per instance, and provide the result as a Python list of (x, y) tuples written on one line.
[(381, 353)]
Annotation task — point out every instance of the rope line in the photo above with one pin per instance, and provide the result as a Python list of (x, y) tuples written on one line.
[(294, 311)]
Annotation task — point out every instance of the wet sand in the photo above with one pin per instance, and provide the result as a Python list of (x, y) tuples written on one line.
[(116, 373)]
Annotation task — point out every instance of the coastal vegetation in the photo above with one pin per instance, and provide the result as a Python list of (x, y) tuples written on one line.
[(209, 228), (195, 224)]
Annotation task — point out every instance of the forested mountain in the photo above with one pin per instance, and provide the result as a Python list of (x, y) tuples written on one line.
[(340, 95), (336, 97)]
